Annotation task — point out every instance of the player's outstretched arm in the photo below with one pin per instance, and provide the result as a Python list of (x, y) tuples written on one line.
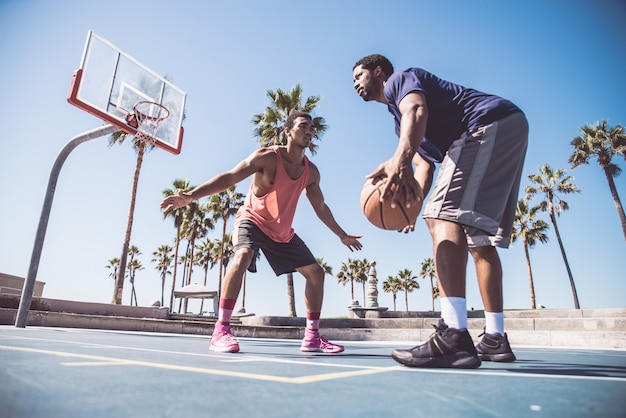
[(219, 183), (323, 212)]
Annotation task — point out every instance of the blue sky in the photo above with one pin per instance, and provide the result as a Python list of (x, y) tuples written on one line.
[(562, 62)]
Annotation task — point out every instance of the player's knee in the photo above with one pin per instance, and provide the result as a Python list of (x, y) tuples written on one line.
[(243, 256), (314, 273)]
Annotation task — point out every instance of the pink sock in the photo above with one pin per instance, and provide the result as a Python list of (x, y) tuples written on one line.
[(226, 312), (313, 321)]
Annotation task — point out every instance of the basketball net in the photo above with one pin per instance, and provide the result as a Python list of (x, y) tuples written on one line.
[(149, 116)]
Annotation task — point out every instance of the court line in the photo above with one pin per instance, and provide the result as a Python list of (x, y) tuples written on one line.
[(362, 369), (227, 358), (112, 361)]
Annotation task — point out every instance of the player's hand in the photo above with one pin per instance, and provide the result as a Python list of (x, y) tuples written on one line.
[(175, 201), (407, 229), (401, 184), (352, 242)]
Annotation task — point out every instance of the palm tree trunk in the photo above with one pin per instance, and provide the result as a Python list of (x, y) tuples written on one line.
[(352, 288), (163, 286), (243, 293), (206, 276), (406, 299), (291, 297), (394, 301), (185, 282), (533, 303), (189, 270), (119, 283), (364, 296), (569, 272), (175, 268), (616, 200), (221, 275), (432, 293)]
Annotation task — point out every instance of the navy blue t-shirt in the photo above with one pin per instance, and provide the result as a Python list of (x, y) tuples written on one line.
[(452, 108)]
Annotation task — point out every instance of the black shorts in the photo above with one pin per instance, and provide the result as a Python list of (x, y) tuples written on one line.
[(284, 257)]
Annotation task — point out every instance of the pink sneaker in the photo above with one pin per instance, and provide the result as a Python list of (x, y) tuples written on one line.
[(224, 342), (314, 343)]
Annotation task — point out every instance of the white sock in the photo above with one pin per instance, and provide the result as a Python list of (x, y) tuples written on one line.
[(454, 312), (494, 323)]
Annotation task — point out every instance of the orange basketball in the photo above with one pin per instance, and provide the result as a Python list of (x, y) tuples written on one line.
[(382, 214)]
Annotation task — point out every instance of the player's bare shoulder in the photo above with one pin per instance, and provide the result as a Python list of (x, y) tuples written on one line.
[(314, 173), (263, 159)]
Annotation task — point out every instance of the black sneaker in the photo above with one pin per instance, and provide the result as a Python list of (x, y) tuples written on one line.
[(447, 347), (495, 347)]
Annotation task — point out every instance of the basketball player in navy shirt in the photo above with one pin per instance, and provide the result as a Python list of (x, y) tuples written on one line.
[(480, 141)]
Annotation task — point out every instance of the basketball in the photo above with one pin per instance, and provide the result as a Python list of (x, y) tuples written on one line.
[(382, 214)]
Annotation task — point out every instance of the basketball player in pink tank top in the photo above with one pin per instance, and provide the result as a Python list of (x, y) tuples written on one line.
[(264, 222)]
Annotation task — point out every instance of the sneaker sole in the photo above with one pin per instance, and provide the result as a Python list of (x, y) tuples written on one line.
[(320, 350), (456, 361), (224, 349), (502, 358)]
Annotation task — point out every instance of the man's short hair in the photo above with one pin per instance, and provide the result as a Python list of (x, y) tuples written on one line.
[(295, 115), (372, 61)]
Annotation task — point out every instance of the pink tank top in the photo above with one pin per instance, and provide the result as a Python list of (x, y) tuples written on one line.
[(273, 213)]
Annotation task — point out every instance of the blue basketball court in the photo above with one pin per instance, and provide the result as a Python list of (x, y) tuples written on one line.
[(59, 372)]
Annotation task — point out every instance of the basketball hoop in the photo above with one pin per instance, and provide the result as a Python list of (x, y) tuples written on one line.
[(149, 116)]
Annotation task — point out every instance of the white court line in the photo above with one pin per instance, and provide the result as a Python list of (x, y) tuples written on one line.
[(112, 361), (229, 358), (374, 369)]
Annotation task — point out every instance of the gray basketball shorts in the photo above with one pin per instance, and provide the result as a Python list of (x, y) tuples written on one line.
[(478, 182), (283, 257)]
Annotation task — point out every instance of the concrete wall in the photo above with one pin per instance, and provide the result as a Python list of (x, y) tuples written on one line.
[(13, 285)]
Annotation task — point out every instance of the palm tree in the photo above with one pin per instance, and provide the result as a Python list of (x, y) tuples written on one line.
[(195, 226), (269, 125), (226, 253), (552, 183), (360, 275), (346, 275), (428, 270), (133, 265), (140, 148), (531, 231), (224, 205), (177, 215), (409, 283), (268, 129), (392, 285), (603, 142), (205, 258), (163, 258), (114, 265), (435, 292), (327, 269)]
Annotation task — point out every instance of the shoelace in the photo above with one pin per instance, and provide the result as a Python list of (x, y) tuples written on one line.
[(324, 343), (227, 336), (483, 333)]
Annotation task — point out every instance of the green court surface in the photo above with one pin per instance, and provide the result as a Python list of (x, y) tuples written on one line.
[(58, 372)]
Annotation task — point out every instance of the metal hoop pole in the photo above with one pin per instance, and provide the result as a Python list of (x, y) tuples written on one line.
[(29, 283)]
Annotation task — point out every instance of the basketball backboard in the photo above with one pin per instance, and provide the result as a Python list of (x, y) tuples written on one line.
[(110, 82)]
